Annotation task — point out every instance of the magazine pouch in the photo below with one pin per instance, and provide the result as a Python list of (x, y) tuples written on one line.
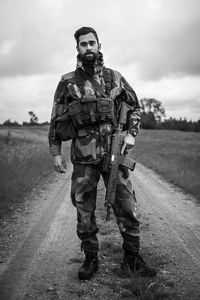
[(85, 146), (64, 127)]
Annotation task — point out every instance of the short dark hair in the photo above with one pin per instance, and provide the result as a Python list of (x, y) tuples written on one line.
[(83, 31)]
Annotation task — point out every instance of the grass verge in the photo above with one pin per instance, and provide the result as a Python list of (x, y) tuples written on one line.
[(173, 154), (24, 163)]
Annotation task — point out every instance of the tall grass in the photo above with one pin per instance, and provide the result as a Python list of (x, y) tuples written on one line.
[(24, 162), (173, 154)]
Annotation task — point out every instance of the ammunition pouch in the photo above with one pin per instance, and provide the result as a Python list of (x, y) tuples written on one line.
[(85, 146), (64, 128), (90, 111)]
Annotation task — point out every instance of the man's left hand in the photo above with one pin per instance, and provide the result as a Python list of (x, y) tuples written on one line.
[(129, 142)]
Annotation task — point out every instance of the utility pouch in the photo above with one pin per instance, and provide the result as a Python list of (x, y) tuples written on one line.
[(83, 111), (84, 148), (60, 109), (105, 110), (64, 127)]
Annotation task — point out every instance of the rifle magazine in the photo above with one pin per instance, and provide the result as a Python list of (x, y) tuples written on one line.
[(129, 163)]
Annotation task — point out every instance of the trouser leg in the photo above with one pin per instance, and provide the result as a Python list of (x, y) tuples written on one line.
[(125, 212), (83, 191)]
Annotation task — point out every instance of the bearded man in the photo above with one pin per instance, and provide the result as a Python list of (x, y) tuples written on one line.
[(90, 98)]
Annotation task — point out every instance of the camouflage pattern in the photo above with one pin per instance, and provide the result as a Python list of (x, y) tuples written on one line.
[(89, 148), (83, 193), (67, 91)]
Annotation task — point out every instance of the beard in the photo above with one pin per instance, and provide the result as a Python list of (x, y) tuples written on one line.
[(88, 58)]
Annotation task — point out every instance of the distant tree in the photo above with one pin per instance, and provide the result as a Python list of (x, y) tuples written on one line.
[(148, 120), (10, 123), (33, 118), (7, 123), (154, 106), (180, 124), (197, 126), (152, 113), (45, 123), (25, 124)]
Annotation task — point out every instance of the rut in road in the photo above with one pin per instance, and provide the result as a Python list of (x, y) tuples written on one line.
[(45, 265), (55, 226), (173, 220), (182, 217)]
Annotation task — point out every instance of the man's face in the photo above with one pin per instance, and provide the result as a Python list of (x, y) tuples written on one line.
[(88, 47)]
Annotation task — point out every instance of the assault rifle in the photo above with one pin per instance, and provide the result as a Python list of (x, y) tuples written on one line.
[(116, 159)]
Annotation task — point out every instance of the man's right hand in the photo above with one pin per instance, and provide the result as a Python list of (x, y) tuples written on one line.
[(60, 164)]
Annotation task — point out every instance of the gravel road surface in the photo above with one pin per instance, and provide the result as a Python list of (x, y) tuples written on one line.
[(40, 252)]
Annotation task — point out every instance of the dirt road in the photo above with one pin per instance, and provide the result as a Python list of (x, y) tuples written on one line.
[(40, 253)]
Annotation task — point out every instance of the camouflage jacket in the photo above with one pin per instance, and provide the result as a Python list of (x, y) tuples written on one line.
[(68, 90)]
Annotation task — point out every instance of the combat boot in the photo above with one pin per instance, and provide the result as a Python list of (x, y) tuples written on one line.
[(89, 266), (135, 263)]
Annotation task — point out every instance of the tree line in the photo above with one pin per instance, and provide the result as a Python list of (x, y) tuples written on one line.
[(153, 117), (33, 121)]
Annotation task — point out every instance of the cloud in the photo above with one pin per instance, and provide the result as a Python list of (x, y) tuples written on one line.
[(33, 40), (161, 37), (179, 96), (22, 94), (162, 41), (176, 53), (155, 44)]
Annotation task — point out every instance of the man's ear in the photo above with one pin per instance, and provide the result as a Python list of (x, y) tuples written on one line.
[(77, 48), (99, 46)]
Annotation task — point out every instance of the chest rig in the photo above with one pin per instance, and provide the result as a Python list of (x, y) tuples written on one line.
[(92, 109)]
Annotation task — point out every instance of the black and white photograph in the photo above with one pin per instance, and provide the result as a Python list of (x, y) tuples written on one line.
[(99, 149)]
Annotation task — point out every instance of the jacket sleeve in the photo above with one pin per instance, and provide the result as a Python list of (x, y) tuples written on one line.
[(57, 109), (135, 115)]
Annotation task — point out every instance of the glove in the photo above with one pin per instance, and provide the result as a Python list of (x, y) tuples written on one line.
[(128, 143)]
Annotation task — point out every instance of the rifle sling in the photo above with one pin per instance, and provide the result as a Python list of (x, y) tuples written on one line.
[(96, 85)]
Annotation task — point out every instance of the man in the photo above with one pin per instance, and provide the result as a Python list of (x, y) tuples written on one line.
[(91, 97)]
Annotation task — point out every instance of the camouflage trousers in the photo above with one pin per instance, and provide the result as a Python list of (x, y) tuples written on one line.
[(83, 193)]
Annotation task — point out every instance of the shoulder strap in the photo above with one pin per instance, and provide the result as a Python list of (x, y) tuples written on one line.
[(96, 85), (107, 74), (79, 80)]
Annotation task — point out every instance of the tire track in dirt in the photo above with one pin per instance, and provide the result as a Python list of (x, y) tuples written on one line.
[(45, 265), (17, 271), (172, 227), (187, 230)]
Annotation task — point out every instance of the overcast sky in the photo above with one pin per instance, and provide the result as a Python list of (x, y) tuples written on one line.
[(154, 44)]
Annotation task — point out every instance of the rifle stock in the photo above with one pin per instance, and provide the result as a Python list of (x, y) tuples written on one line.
[(117, 159)]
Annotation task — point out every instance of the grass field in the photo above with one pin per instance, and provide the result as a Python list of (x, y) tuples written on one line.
[(24, 163), (173, 154)]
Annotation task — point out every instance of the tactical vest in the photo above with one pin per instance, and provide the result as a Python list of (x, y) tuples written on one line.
[(93, 117), (90, 110)]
